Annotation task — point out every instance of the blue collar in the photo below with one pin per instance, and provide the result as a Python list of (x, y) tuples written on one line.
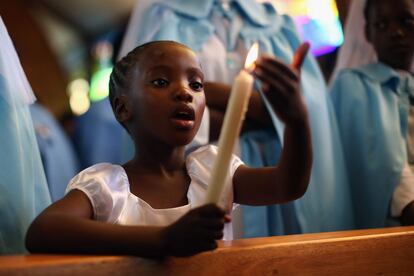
[(378, 72), (381, 73), (385, 75), (258, 14)]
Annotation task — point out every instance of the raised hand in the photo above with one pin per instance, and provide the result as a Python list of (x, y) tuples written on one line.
[(195, 232), (281, 84)]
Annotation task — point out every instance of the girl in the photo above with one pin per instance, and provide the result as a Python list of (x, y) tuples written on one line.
[(150, 206), (376, 118), (225, 31)]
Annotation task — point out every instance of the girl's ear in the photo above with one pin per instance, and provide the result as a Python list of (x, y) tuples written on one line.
[(122, 108)]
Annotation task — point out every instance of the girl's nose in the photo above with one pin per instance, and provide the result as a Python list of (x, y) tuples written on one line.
[(398, 32), (182, 94)]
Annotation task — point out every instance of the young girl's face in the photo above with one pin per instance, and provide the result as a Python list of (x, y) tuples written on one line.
[(167, 95), (390, 29)]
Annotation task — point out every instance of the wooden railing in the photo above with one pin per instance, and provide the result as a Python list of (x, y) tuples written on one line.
[(365, 252)]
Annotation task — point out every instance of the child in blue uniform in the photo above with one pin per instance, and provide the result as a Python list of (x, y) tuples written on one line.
[(373, 104), (150, 206)]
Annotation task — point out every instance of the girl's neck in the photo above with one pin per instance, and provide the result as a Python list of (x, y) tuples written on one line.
[(159, 157)]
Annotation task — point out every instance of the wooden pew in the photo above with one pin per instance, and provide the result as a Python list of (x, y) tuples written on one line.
[(364, 252)]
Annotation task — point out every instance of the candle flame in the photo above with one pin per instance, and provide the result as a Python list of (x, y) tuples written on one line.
[(252, 56)]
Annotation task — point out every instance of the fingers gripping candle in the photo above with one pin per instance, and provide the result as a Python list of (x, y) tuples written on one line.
[(233, 119)]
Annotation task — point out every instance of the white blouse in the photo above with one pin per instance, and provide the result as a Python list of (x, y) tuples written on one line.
[(107, 187)]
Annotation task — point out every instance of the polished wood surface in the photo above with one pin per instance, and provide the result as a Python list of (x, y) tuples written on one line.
[(363, 252)]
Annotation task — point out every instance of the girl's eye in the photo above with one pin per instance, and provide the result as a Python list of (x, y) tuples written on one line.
[(409, 21), (380, 25), (160, 83), (196, 86)]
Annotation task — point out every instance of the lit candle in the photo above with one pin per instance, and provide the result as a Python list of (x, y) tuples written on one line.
[(235, 112)]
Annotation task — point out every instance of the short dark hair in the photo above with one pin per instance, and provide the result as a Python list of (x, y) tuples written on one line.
[(122, 68)]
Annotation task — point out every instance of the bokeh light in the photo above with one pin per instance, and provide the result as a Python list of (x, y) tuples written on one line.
[(317, 22), (78, 96)]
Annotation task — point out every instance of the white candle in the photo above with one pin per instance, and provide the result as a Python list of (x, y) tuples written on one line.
[(233, 119)]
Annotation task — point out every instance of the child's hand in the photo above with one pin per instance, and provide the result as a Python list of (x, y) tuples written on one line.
[(195, 232), (281, 84), (407, 217)]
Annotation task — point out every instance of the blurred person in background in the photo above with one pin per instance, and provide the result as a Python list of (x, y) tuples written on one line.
[(23, 188)]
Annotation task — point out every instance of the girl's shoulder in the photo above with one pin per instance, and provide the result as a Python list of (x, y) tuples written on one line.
[(107, 187), (104, 172), (203, 156), (362, 84), (200, 162)]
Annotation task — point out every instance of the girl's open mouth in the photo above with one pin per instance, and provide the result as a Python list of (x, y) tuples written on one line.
[(183, 117)]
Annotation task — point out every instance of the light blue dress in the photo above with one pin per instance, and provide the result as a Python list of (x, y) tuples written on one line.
[(372, 107), (23, 188), (326, 205), (56, 150)]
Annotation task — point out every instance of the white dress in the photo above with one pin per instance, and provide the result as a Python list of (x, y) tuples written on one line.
[(107, 187)]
